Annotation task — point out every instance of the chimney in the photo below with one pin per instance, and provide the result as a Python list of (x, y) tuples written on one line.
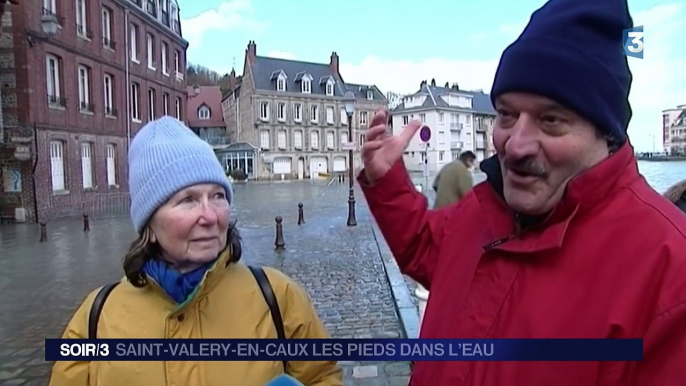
[(455, 87), (251, 52), (433, 82), (447, 85), (333, 64)]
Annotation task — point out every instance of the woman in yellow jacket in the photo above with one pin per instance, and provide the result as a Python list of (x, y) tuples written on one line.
[(183, 279)]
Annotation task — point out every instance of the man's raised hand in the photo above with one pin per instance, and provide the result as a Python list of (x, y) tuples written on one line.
[(381, 151)]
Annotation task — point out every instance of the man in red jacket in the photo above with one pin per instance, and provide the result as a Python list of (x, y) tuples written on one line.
[(565, 239)]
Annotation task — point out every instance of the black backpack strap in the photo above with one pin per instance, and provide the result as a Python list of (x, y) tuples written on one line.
[(270, 298), (96, 309)]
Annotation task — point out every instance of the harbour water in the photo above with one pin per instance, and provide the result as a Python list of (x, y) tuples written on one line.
[(660, 175)]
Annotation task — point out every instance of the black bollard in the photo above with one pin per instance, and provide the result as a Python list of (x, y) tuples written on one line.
[(43, 233), (301, 214), (279, 243), (86, 224)]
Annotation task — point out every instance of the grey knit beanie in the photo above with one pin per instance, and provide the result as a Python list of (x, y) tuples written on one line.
[(165, 157)]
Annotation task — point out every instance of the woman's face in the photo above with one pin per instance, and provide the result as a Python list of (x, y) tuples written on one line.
[(191, 227)]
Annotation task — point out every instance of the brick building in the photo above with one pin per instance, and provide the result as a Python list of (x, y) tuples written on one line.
[(79, 79)]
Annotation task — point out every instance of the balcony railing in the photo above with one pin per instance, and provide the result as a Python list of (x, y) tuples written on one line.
[(56, 101), (107, 42), (216, 140), (480, 145), (479, 127), (111, 111), (87, 107), (456, 144), (60, 19), (83, 31), (455, 126)]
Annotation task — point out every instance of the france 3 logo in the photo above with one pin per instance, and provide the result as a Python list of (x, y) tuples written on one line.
[(633, 42)]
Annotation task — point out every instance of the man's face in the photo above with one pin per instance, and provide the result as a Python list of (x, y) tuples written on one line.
[(541, 146), (469, 162)]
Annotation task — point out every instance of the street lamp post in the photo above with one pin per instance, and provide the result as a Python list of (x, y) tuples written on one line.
[(349, 110)]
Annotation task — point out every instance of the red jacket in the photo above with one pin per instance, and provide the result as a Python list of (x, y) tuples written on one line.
[(610, 262)]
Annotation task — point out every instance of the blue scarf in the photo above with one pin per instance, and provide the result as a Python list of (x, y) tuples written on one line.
[(179, 286)]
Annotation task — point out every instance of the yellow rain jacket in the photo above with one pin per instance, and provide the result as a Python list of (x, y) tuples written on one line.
[(227, 304)]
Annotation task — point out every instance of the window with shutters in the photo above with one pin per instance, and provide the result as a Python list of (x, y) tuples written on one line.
[(329, 115), (264, 111), (165, 103), (84, 88), (281, 139), (264, 139), (298, 139), (111, 153), (109, 95), (314, 113), (298, 112), (87, 165), (281, 112), (135, 102), (330, 140), (178, 108), (57, 165), (314, 140), (344, 117), (363, 118)]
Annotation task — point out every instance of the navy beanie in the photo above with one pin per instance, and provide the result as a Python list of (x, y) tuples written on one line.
[(571, 52)]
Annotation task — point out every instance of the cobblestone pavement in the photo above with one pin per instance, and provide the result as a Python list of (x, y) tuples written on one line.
[(42, 283)]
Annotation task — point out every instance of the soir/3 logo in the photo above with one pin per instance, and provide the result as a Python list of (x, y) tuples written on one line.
[(632, 42)]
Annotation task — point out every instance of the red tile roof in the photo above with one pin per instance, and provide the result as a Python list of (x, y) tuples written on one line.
[(211, 96)]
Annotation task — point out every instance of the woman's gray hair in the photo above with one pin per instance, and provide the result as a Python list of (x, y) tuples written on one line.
[(143, 249)]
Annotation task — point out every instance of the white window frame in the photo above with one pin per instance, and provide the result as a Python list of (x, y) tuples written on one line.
[(363, 118), (441, 118), (281, 112), (370, 95), (314, 113), (298, 139), (135, 102), (52, 77), (330, 115), (87, 165), (178, 108), (344, 137), (81, 19), (314, 139), (344, 117), (177, 63), (50, 5), (306, 86), (165, 55), (134, 43), (108, 88), (329, 88), (106, 28), (151, 104), (406, 120), (264, 139), (151, 51), (422, 118), (281, 137), (57, 166), (165, 103), (281, 83), (204, 113), (84, 87), (298, 112), (264, 111), (330, 140), (111, 157)]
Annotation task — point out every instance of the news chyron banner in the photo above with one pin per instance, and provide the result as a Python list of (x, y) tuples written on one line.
[(344, 350)]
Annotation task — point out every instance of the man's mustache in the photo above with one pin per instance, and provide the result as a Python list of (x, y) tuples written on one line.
[(527, 166)]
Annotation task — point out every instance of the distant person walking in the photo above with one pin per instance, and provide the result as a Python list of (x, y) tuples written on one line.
[(677, 195), (454, 180)]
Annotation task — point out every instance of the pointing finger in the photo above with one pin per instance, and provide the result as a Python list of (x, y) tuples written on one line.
[(380, 118), (376, 133), (409, 131)]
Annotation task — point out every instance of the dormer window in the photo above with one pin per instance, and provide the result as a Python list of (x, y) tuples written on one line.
[(280, 77), (330, 84), (305, 80), (204, 112), (370, 94), (329, 88)]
